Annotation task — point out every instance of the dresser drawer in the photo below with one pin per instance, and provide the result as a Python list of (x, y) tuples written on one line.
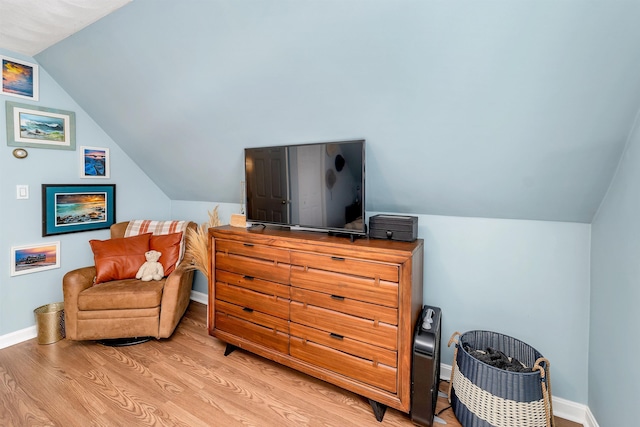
[(267, 253), (249, 282), (345, 344), (375, 374), (252, 267), (258, 327), (251, 300), (339, 303), (357, 328), (345, 285), (352, 266)]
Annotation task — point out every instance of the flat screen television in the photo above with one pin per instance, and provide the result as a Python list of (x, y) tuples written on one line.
[(317, 186)]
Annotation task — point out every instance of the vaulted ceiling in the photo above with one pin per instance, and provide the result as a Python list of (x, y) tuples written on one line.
[(30, 26), (489, 108)]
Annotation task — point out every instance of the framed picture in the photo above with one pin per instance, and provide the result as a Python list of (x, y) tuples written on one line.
[(33, 258), (19, 78), (70, 208), (94, 162), (40, 127)]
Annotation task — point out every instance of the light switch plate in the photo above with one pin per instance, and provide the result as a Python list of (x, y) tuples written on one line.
[(22, 192)]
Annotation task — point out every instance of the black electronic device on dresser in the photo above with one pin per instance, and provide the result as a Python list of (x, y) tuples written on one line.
[(394, 227)]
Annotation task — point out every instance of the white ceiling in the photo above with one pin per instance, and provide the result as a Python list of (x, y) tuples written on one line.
[(30, 26)]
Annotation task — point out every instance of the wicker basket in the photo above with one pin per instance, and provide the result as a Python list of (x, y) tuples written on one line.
[(482, 395)]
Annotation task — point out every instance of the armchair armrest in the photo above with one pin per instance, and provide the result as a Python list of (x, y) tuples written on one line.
[(73, 283), (175, 299)]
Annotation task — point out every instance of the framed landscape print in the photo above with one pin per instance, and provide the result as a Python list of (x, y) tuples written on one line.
[(19, 78), (71, 208), (94, 162), (33, 258), (40, 127)]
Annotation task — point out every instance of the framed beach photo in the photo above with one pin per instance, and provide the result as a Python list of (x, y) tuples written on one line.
[(33, 258), (94, 162), (71, 208), (19, 78), (40, 127)]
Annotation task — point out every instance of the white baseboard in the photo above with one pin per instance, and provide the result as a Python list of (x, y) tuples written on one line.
[(571, 411), (590, 420), (563, 408), (18, 336), (200, 297), (445, 372)]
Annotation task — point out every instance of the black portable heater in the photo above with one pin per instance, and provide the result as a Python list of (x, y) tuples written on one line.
[(425, 366)]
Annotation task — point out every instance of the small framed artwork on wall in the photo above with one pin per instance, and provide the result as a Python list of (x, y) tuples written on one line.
[(71, 208), (40, 127), (33, 258), (94, 162), (19, 78)]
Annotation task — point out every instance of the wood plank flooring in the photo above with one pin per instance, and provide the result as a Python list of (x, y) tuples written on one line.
[(181, 381)]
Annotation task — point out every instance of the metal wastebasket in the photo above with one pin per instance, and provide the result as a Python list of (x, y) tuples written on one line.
[(50, 322)]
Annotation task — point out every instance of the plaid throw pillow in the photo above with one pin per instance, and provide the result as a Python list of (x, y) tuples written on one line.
[(158, 228)]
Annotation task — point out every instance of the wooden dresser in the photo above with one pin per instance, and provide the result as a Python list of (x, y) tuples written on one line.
[(338, 310)]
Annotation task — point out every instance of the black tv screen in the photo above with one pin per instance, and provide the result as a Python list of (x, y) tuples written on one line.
[(317, 186)]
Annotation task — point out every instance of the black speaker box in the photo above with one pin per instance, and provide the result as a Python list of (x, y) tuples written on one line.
[(394, 227)]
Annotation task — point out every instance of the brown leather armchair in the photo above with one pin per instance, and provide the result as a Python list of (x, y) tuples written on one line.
[(127, 308)]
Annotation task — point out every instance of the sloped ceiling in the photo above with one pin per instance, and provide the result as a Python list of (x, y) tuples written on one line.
[(483, 108), (30, 26)]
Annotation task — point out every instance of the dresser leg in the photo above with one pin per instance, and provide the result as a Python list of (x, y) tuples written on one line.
[(229, 349), (378, 409)]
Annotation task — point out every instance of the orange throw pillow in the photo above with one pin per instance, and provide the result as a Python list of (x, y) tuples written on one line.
[(121, 258), (169, 246)]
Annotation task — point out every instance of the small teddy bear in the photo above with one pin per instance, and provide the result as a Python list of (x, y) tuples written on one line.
[(152, 269)]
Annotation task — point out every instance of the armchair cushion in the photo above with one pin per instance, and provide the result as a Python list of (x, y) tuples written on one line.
[(169, 246), (120, 258), (120, 295)]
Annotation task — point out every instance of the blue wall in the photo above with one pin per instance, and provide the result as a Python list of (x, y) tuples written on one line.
[(614, 379), (495, 109), (20, 220), (527, 279)]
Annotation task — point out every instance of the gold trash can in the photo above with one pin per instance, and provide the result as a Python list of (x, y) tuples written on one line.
[(50, 322)]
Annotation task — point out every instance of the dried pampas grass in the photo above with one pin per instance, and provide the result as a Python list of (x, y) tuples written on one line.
[(197, 248)]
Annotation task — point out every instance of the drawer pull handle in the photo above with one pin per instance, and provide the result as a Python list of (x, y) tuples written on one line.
[(248, 277), (337, 297), (249, 245), (337, 258), (336, 336), (247, 309)]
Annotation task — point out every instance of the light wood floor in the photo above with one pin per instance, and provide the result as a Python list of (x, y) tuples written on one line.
[(181, 381)]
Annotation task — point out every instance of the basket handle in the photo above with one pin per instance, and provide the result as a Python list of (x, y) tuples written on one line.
[(545, 381), (453, 337)]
